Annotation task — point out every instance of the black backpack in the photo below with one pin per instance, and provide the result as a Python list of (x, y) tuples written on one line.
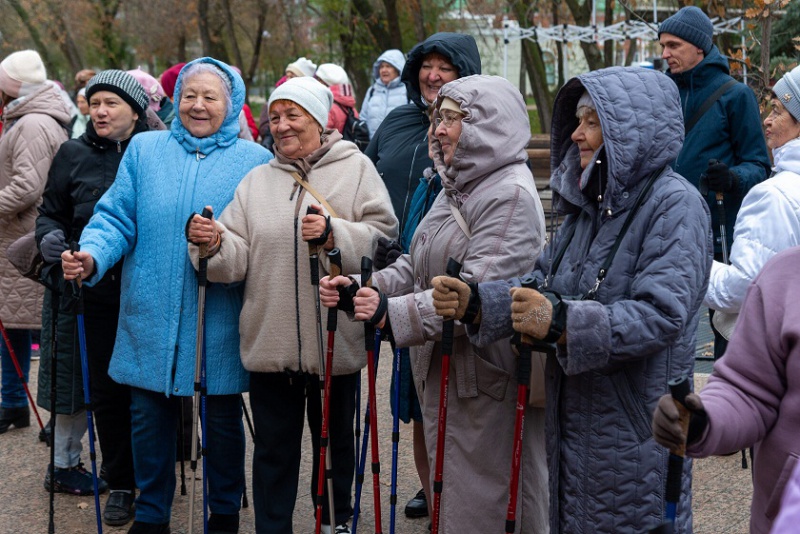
[(355, 129)]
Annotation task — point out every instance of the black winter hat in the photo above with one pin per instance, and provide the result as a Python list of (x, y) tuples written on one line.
[(121, 84)]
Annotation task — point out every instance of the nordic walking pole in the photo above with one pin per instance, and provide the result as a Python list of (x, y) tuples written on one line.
[(453, 269), (245, 503), (369, 342), (313, 258), (395, 441), (202, 281), (324, 475), (524, 345), (87, 398), (362, 460), (679, 389), (19, 374), (204, 437), (55, 297)]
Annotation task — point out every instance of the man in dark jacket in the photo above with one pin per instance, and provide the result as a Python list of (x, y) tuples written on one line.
[(724, 151), (399, 150)]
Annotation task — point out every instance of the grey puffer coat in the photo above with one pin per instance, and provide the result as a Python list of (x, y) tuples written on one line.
[(607, 474), (490, 184)]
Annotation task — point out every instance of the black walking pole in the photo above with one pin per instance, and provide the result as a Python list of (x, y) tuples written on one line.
[(324, 475), (87, 399), (679, 389), (313, 259), (453, 269), (245, 503), (395, 441), (202, 281), (55, 297)]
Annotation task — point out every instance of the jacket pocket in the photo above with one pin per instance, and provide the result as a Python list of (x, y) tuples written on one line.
[(774, 503), (490, 379), (633, 405)]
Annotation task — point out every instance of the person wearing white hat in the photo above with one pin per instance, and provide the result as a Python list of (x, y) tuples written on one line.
[(35, 120), (299, 68), (264, 237), (336, 79)]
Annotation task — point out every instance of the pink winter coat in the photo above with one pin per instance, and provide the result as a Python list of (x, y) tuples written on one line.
[(342, 96), (33, 128), (753, 396)]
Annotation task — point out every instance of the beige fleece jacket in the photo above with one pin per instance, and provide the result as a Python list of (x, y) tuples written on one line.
[(262, 245)]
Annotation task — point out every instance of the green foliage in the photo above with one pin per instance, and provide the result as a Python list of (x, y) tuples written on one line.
[(783, 31)]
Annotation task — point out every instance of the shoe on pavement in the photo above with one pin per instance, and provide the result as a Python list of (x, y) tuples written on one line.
[(75, 481), (418, 506), (149, 528), (119, 508), (340, 529), (223, 523), (17, 417)]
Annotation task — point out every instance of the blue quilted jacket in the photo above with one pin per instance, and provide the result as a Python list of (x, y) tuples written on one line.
[(607, 474), (163, 178)]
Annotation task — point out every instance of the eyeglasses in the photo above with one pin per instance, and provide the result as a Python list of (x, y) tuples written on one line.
[(448, 120)]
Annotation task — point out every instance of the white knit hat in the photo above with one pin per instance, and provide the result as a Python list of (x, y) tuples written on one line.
[(332, 74), (309, 94), (302, 67), (22, 73)]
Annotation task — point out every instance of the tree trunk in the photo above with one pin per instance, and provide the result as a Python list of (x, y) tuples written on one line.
[(202, 19), (393, 21), (582, 13), (608, 46), (766, 33), (237, 54), (374, 24), (419, 21), (34, 33), (534, 64)]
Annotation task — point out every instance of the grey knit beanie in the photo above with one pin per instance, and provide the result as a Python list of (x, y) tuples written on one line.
[(309, 94), (121, 84), (787, 90), (691, 25)]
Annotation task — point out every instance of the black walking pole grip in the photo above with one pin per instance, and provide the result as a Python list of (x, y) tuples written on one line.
[(202, 271), (369, 330), (679, 388), (335, 259), (525, 343), (77, 282), (452, 270)]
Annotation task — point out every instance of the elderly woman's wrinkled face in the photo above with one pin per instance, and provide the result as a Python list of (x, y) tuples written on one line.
[(588, 135), (296, 133), (83, 105), (387, 73), (780, 126), (112, 117), (436, 70), (448, 130), (203, 105)]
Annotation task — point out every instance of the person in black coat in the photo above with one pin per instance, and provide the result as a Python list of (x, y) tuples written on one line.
[(399, 150), (82, 171)]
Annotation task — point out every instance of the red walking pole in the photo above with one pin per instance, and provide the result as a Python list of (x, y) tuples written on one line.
[(453, 269), (369, 343), (19, 373), (325, 473)]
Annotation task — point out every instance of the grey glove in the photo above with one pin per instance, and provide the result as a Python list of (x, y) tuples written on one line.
[(52, 245)]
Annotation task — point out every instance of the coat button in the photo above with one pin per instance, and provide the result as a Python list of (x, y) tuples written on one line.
[(422, 239), (96, 192)]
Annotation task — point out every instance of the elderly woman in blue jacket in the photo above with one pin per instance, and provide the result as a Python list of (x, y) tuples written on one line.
[(624, 332), (387, 92), (163, 178)]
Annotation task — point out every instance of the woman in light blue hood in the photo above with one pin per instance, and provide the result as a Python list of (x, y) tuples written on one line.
[(387, 92), (163, 178)]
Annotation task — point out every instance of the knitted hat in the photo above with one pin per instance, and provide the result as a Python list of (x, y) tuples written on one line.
[(452, 105), (302, 67), (170, 77), (21, 73), (121, 84), (787, 90), (691, 25), (586, 101), (332, 74), (309, 94), (151, 86)]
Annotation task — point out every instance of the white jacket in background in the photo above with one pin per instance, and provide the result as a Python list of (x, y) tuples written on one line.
[(767, 223)]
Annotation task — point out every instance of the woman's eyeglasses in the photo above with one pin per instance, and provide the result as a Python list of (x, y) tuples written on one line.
[(447, 119)]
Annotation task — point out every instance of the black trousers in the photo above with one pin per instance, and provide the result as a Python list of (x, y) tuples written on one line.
[(111, 402), (278, 402)]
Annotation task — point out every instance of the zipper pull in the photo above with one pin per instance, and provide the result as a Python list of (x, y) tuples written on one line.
[(119, 147)]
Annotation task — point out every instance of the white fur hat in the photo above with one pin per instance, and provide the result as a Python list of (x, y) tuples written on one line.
[(21, 73), (309, 94)]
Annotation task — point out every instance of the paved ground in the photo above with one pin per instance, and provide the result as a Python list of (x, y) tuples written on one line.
[(721, 487)]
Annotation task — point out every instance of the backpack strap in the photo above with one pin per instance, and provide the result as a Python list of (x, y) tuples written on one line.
[(708, 103), (314, 193)]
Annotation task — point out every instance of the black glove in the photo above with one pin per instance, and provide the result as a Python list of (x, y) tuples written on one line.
[(386, 253), (720, 178), (52, 245)]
